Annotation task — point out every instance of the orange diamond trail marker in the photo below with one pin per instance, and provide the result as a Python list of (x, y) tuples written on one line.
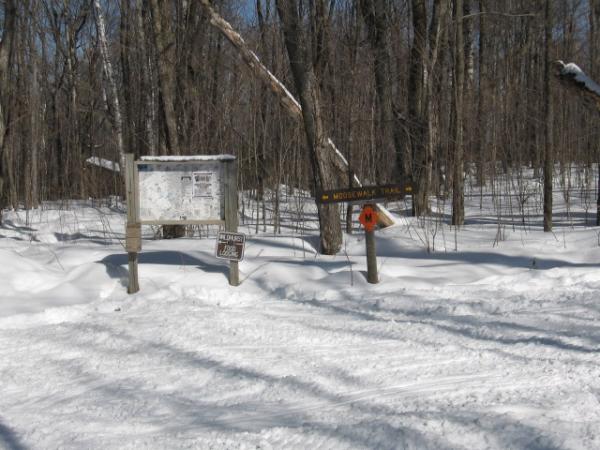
[(368, 217)]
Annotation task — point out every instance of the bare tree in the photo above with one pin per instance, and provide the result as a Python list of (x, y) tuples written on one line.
[(165, 62), (6, 49), (307, 85), (375, 14), (458, 194), (110, 80), (549, 154)]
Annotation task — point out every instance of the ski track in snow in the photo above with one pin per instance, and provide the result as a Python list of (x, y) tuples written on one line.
[(479, 348)]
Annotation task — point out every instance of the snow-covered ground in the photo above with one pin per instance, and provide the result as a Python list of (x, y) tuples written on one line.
[(489, 340)]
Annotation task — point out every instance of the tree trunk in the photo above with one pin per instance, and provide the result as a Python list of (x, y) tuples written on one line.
[(458, 194), (310, 98), (549, 154), (164, 40), (479, 131), (113, 98), (416, 107), (433, 91), (32, 172), (151, 144), (165, 61), (6, 48), (595, 72), (374, 13)]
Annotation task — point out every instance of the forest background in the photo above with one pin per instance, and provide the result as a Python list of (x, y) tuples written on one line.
[(433, 91)]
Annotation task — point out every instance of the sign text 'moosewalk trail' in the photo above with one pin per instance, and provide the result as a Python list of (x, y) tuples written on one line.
[(364, 194)]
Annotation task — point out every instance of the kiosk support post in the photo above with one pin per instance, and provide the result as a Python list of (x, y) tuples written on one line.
[(133, 230), (231, 213)]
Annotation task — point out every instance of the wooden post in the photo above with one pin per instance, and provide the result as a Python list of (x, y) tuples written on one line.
[(133, 230), (134, 284), (371, 257), (368, 218), (231, 212)]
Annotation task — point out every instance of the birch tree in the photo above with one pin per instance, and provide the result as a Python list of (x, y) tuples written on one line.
[(113, 99)]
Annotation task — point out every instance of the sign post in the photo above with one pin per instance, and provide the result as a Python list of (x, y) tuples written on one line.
[(133, 230), (367, 196), (368, 219), (231, 213)]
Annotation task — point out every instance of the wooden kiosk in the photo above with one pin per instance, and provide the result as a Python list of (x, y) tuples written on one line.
[(179, 190)]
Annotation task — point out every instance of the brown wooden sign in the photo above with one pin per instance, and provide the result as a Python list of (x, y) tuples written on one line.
[(231, 246), (365, 194)]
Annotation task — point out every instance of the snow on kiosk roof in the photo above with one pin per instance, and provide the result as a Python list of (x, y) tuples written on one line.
[(186, 158)]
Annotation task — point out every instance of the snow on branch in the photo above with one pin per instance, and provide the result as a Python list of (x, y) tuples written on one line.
[(103, 163), (572, 77)]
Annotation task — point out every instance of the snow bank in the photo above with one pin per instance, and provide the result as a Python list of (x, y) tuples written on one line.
[(485, 343)]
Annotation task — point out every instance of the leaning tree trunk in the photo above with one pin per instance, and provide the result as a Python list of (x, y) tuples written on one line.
[(287, 100), (310, 98)]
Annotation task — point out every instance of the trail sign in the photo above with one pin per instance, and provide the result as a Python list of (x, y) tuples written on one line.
[(368, 217), (365, 194), (231, 246)]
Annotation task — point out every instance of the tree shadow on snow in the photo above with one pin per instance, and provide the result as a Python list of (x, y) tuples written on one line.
[(388, 247), (192, 414), (503, 332), (9, 439)]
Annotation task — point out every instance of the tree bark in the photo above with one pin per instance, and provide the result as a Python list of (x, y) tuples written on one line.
[(165, 62), (307, 86), (6, 49), (549, 154), (151, 141), (416, 106), (433, 91), (113, 98), (374, 15), (595, 70), (479, 131), (458, 194)]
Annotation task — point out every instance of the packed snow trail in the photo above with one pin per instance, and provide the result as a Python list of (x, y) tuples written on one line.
[(479, 348)]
